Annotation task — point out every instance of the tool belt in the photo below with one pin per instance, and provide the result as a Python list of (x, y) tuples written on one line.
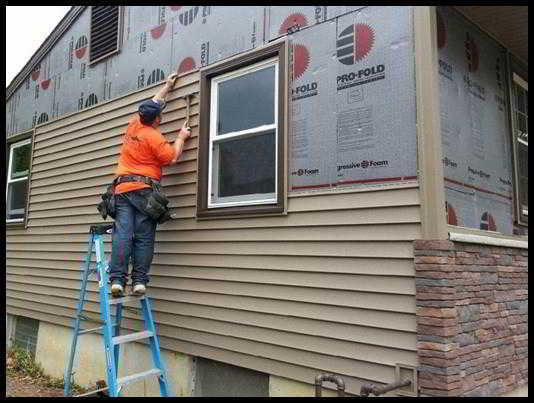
[(156, 204)]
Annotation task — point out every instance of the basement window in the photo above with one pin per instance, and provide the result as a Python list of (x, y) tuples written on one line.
[(105, 32), (17, 180), (241, 142), (26, 331)]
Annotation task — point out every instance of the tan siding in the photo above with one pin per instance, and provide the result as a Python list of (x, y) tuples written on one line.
[(327, 287), (376, 267)]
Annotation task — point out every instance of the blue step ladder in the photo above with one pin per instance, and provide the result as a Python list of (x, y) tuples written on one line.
[(112, 337)]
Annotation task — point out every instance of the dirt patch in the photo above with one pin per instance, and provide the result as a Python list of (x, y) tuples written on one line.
[(25, 386), (25, 377)]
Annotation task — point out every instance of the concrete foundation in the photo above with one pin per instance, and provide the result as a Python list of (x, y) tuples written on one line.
[(53, 348), (10, 330), (283, 387)]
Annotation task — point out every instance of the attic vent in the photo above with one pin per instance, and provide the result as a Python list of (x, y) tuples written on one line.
[(105, 24)]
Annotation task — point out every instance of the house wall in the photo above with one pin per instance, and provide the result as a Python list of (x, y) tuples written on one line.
[(472, 318), (327, 287), (475, 129), (343, 132)]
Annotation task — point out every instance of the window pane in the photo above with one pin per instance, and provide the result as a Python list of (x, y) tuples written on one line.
[(16, 199), (247, 165), (20, 164), (521, 123), (246, 101), (520, 99)]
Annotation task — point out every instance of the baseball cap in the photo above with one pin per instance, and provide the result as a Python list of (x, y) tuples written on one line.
[(150, 108)]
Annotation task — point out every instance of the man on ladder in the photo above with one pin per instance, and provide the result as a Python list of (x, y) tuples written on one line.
[(138, 202)]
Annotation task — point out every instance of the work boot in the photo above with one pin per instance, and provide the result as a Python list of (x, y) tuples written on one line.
[(139, 289), (117, 290)]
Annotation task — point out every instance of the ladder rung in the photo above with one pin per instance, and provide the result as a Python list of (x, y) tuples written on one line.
[(128, 298), (92, 392), (133, 336), (135, 377), (95, 329)]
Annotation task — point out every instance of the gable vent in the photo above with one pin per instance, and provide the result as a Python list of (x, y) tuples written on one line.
[(105, 23)]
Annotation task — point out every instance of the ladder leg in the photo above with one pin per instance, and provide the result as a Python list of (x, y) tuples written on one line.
[(105, 313), (116, 348), (67, 390), (154, 346)]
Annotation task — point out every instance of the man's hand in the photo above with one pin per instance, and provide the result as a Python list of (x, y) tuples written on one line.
[(171, 80), (185, 131), (161, 95), (183, 135)]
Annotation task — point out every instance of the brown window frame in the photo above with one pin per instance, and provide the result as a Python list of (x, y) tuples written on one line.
[(279, 50)]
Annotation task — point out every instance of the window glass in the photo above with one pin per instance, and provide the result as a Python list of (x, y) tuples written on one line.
[(18, 167), (247, 165), (16, 199), (520, 99), (246, 101), (21, 161)]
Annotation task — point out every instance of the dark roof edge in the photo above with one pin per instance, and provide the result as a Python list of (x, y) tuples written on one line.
[(48, 43)]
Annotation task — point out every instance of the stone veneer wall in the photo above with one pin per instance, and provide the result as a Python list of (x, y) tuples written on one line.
[(472, 312)]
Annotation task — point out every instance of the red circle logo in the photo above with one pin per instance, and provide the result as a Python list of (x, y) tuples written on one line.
[(81, 46), (35, 72), (158, 31), (364, 39), (472, 53), (487, 222), (451, 215), (45, 84), (186, 65), (301, 60), (296, 19), (354, 43)]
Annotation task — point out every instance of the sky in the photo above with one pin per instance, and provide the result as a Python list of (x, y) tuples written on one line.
[(38, 23)]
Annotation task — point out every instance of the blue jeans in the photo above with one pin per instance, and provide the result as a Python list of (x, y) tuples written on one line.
[(133, 237)]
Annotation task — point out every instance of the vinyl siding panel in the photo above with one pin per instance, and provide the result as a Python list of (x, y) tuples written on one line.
[(327, 287)]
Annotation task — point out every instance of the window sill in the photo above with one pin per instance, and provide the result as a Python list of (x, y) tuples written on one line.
[(15, 224), (468, 235), (240, 212)]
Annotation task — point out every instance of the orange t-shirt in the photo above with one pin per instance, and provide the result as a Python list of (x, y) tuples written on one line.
[(144, 151)]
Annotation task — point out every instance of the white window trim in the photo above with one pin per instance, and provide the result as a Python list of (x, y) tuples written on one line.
[(251, 199), (9, 180), (518, 80), (524, 85)]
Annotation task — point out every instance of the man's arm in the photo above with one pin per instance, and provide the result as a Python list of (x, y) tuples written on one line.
[(162, 93)]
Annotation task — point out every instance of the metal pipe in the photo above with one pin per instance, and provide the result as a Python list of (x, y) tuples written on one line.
[(319, 379), (369, 388)]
